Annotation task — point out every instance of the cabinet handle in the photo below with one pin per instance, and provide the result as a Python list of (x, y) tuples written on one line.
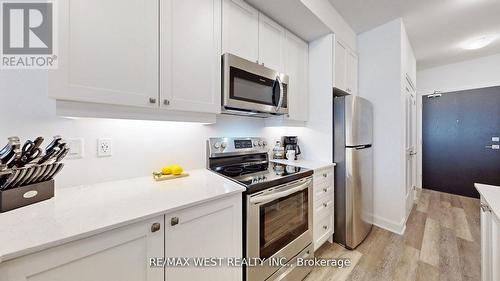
[(152, 100), (325, 189), (155, 227), (174, 221), (325, 175), (325, 205), (166, 102), (485, 208), (257, 61), (325, 227)]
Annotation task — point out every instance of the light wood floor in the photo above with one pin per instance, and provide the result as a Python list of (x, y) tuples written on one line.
[(441, 242)]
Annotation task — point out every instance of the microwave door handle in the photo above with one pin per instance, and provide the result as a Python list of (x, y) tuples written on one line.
[(262, 199), (280, 84)]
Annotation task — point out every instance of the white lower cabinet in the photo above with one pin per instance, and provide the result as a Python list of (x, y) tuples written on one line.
[(212, 229), (120, 254), (490, 244), (323, 206)]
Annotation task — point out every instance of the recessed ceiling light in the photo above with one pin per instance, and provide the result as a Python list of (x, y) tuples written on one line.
[(479, 42)]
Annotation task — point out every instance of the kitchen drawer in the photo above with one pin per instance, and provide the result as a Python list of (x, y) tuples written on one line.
[(322, 190), (323, 207), (323, 175), (323, 230)]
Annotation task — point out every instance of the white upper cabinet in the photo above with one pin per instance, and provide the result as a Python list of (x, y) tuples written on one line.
[(108, 52), (190, 47), (296, 66), (340, 64), (345, 72), (352, 73), (271, 44), (240, 29)]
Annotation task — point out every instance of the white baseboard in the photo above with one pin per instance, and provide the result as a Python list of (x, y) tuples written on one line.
[(398, 228)]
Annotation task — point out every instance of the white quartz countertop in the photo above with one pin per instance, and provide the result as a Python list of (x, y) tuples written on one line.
[(308, 164), (491, 194), (82, 211)]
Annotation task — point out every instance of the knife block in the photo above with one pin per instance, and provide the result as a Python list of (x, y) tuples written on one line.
[(18, 197)]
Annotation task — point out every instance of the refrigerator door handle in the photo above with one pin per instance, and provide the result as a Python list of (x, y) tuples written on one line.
[(358, 147)]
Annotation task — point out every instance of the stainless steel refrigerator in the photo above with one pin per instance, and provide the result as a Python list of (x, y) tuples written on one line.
[(353, 154)]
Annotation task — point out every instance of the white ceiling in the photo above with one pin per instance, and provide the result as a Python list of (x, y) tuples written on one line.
[(436, 28)]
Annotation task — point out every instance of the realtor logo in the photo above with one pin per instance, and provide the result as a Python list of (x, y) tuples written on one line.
[(28, 35)]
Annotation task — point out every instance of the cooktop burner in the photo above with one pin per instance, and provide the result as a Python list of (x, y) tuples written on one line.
[(249, 166)]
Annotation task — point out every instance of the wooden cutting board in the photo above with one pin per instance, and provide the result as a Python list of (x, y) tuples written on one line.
[(161, 177)]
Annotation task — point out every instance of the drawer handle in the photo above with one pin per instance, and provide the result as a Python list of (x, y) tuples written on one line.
[(325, 205), (325, 189), (155, 227), (325, 175), (174, 221), (152, 100), (325, 227)]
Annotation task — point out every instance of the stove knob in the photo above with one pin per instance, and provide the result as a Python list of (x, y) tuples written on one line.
[(264, 143), (261, 143), (255, 143), (223, 145), (217, 145)]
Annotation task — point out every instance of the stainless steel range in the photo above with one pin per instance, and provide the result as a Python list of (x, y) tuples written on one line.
[(277, 208)]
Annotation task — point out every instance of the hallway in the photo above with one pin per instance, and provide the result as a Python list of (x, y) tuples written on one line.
[(441, 242)]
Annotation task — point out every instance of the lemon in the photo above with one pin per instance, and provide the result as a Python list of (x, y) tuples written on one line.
[(176, 169), (166, 170)]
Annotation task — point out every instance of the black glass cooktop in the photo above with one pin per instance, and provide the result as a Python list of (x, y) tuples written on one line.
[(257, 177)]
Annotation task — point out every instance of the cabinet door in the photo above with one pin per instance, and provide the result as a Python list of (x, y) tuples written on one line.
[(297, 66), (340, 66), (352, 73), (271, 43), (210, 230), (108, 52), (495, 247), (240, 29), (120, 254), (190, 67)]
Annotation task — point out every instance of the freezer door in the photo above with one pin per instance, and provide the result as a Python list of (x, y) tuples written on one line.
[(358, 121), (359, 195)]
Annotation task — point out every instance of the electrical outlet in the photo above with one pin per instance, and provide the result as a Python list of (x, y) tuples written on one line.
[(104, 147), (75, 148)]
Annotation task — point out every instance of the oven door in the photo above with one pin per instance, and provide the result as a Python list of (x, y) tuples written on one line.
[(279, 225), (251, 87)]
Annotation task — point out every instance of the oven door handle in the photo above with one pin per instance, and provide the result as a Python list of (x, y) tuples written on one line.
[(262, 199)]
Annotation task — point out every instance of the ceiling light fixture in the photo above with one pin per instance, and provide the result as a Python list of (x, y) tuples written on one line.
[(479, 42)]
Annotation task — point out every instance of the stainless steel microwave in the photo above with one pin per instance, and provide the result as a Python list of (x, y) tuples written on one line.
[(252, 89)]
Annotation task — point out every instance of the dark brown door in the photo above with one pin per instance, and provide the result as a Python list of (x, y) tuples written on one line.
[(457, 132)]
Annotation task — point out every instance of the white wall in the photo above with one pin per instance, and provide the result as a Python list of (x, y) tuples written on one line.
[(471, 74), (379, 52), (139, 146), (325, 11), (477, 73)]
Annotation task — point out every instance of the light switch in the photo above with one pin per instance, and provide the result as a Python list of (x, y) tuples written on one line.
[(495, 138), (75, 148), (495, 146)]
